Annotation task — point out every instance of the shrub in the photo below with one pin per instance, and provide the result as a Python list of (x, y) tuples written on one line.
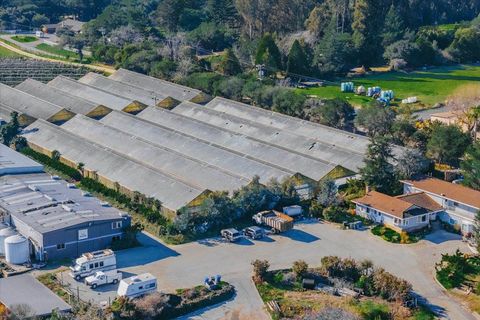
[(260, 268), (300, 268)]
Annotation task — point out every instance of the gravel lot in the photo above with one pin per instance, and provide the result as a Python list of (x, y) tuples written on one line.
[(186, 265)]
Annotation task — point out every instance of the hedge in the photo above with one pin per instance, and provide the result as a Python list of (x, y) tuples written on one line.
[(54, 164)]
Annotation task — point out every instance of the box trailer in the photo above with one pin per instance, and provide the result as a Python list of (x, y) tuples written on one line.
[(137, 286), (279, 222)]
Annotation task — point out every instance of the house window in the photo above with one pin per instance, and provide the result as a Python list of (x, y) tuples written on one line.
[(91, 265), (101, 263), (60, 246), (115, 238), (151, 285), (368, 210), (96, 264), (140, 288), (424, 218), (396, 220), (116, 224)]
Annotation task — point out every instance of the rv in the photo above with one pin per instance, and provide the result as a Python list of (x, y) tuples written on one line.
[(137, 286), (91, 262)]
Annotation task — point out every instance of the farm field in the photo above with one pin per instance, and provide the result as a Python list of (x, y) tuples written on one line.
[(5, 53), (430, 86)]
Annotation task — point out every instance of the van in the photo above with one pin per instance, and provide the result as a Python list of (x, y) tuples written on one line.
[(254, 232), (137, 286), (91, 262)]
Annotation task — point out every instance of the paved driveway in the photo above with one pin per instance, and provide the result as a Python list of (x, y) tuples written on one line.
[(187, 265)]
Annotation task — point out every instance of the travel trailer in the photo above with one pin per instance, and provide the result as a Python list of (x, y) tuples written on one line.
[(137, 286)]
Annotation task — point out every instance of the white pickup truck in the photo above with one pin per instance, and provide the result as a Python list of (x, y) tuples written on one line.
[(100, 278)]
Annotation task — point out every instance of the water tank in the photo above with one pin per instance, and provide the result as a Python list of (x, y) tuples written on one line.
[(5, 233), (16, 249)]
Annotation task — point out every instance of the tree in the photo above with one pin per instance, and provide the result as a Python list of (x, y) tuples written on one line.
[(367, 17), (260, 269), (300, 268), (9, 130), (297, 60), (318, 20), (465, 46), (411, 163), (402, 50), (287, 101), (393, 28), (336, 113), (222, 11), (378, 172), (327, 193), (168, 14), (476, 230), (376, 119), (230, 65), (268, 53), (470, 166), (447, 144), (39, 20), (75, 41)]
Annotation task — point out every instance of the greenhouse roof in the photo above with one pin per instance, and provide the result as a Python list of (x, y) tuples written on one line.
[(25, 103), (125, 90), (197, 174), (56, 96), (287, 139), (90, 93), (127, 172), (156, 85), (229, 161), (257, 150)]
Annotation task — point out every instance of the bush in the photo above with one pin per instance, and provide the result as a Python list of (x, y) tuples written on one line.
[(260, 268), (53, 163), (300, 268)]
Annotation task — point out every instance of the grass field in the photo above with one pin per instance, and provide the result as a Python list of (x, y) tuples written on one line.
[(430, 86), (24, 39), (57, 51), (5, 53)]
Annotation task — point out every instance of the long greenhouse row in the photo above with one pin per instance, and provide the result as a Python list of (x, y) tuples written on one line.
[(126, 134)]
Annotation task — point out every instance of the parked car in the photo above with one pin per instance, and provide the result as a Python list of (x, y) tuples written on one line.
[(137, 286), (100, 278), (231, 234), (254, 232), (91, 262)]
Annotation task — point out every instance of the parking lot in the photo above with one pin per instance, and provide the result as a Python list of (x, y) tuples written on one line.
[(187, 265)]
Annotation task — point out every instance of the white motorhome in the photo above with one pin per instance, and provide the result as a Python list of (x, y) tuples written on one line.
[(91, 262), (137, 286)]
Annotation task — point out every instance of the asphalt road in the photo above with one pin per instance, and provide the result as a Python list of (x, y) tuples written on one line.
[(187, 265)]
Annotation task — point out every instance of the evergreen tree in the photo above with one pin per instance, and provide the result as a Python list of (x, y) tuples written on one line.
[(447, 144), (378, 172), (471, 166), (366, 24), (476, 230), (230, 65), (9, 130), (297, 59), (168, 14), (268, 53), (394, 27), (222, 11)]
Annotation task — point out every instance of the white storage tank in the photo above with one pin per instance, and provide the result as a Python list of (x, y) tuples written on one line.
[(16, 249), (4, 234)]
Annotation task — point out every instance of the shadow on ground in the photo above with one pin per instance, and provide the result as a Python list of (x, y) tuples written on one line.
[(150, 251)]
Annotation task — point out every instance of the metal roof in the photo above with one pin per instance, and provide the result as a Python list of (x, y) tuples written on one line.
[(131, 174), (331, 136), (156, 85), (195, 173), (13, 162), (25, 103), (84, 91), (321, 150), (122, 89), (193, 147), (254, 149), (46, 204), (25, 289), (56, 96)]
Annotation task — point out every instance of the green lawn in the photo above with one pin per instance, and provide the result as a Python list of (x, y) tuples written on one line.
[(59, 51), (24, 38), (430, 86), (5, 53)]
